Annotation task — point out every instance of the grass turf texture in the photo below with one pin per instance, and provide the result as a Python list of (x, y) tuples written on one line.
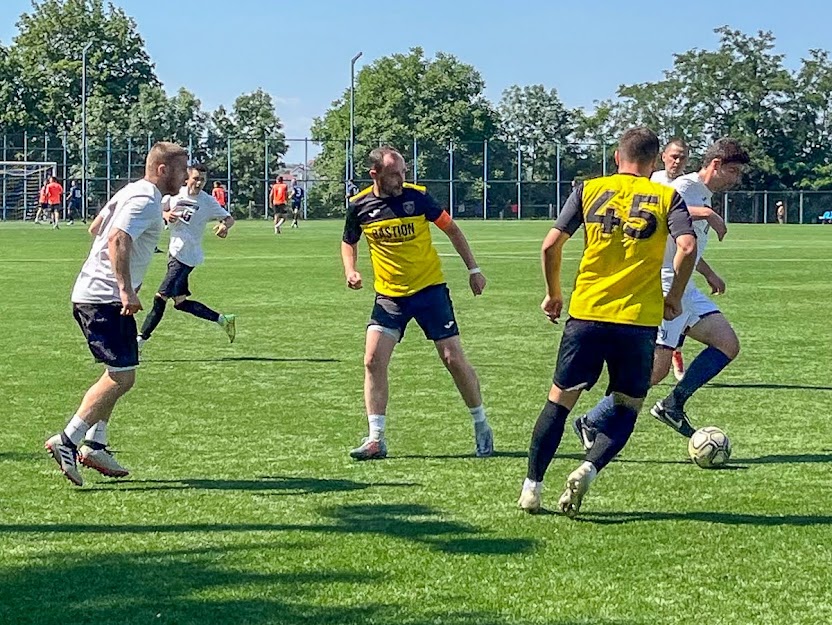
[(243, 506)]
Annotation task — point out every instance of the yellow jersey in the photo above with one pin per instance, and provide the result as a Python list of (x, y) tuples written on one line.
[(398, 235), (627, 220)]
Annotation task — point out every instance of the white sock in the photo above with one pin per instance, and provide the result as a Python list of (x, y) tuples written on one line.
[(588, 467), (376, 426), (76, 429), (478, 414), (98, 433), (532, 485)]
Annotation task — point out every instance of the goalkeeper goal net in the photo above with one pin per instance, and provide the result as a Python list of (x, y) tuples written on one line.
[(20, 185)]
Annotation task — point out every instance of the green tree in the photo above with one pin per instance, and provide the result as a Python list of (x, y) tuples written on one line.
[(399, 99), (251, 123), (811, 123)]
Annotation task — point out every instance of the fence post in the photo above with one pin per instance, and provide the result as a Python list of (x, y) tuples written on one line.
[(451, 176), (485, 179), (25, 178), (109, 166), (190, 149), (557, 180), (228, 168), (46, 150), (149, 139), (415, 162), (519, 182), (266, 176), (604, 157), (725, 207), (66, 174), (800, 205), (765, 207), (347, 175), (5, 158), (305, 175), (129, 159)]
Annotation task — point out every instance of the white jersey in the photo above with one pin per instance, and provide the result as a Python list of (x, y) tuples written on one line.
[(694, 193), (194, 212), (662, 178), (137, 210)]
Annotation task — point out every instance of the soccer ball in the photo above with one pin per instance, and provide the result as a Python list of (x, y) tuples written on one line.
[(709, 447)]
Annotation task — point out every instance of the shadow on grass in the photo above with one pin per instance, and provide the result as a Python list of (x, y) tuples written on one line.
[(771, 387), (719, 518), (240, 359), (277, 484), (19, 456), (201, 586), (471, 456), (409, 522)]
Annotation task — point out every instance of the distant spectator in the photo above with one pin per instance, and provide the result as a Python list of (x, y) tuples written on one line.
[(781, 213)]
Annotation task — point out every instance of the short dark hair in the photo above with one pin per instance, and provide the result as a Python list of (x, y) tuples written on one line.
[(198, 167), (639, 145), (280, 178), (727, 150), (677, 141), (376, 158), (216, 183)]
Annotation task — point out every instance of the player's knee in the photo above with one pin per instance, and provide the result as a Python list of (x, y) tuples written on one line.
[(374, 364), (123, 380), (178, 302), (731, 347)]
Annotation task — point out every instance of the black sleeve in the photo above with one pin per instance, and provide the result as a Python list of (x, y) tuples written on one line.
[(352, 229), (678, 217), (432, 209), (572, 214)]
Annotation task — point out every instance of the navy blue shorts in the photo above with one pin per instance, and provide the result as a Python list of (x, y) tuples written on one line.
[(175, 282), (431, 308), (110, 335), (587, 345)]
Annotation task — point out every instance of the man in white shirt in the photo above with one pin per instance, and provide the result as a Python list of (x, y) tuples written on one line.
[(105, 300), (701, 320), (187, 213), (675, 158)]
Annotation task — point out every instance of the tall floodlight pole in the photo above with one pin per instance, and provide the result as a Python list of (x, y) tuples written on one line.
[(84, 126), (351, 165)]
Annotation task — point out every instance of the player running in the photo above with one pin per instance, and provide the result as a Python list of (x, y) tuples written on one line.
[(701, 320), (54, 195), (395, 217), (297, 202), (188, 213), (278, 195), (105, 301), (615, 308)]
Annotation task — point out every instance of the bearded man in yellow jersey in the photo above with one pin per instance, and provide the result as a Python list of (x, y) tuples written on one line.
[(395, 217), (615, 308)]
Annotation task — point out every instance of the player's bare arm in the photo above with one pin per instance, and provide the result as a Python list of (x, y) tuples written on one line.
[(683, 264), (349, 256), (476, 279), (120, 245), (714, 281), (551, 259), (713, 218), (224, 225), (95, 226)]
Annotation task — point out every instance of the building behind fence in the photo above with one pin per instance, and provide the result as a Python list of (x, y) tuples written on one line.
[(478, 180)]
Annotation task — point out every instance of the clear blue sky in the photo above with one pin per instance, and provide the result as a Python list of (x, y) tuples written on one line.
[(300, 51)]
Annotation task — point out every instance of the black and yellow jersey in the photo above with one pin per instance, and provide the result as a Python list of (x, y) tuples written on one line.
[(398, 234), (627, 220)]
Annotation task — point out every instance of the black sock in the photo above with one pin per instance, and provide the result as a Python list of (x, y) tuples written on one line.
[(198, 309), (613, 435), (153, 317), (548, 430), (704, 368)]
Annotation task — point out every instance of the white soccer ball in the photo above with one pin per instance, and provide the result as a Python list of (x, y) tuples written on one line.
[(709, 447)]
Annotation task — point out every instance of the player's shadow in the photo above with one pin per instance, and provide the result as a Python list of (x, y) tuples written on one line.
[(277, 484), (769, 386), (221, 584), (407, 522), (469, 456), (19, 456), (718, 518), (242, 359)]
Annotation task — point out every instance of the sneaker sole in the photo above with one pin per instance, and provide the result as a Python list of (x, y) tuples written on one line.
[(572, 507), (102, 470), (52, 453), (373, 457), (661, 419)]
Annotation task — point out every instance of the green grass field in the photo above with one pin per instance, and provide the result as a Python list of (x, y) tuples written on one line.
[(243, 506)]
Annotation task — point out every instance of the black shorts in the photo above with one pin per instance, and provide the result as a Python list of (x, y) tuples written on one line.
[(54, 207), (296, 204), (279, 209), (587, 345), (175, 282), (44, 206), (431, 308), (110, 335)]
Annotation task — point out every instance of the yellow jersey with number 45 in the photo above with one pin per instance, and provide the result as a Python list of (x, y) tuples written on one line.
[(627, 220)]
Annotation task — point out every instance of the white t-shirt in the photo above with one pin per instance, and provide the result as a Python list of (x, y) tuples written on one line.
[(694, 193), (137, 210), (661, 177), (194, 211)]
